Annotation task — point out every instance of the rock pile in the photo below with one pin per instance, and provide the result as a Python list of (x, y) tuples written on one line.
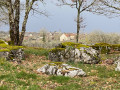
[(60, 69), (84, 54)]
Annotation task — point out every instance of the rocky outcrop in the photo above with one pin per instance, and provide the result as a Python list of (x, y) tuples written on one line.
[(13, 55), (86, 55), (60, 69), (9, 52)]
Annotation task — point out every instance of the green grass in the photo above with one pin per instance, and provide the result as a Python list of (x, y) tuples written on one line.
[(37, 51), (60, 79), (24, 75), (72, 86), (21, 77)]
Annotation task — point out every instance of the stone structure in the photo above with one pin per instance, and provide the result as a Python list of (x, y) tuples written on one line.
[(13, 55), (86, 55), (60, 69)]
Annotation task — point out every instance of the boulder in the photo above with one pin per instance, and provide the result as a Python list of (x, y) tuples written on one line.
[(61, 70), (84, 54)]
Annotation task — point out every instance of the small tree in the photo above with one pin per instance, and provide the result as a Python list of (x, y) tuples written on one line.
[(43, 33), (81, 6)]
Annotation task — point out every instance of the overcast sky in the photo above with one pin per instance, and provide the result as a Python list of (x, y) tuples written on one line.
[(62, 18)]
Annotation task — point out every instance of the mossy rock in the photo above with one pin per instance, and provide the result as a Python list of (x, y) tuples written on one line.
[(62, 46), (102, 44), (116, 47), (6, 48), (2, 42), (55, 63), (55, 50), (10, 42), (104, 48), (75, 45)]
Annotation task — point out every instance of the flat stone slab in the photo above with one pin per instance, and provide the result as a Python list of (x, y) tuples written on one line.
[(60, 69)]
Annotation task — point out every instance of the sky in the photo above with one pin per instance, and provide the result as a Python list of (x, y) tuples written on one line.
[(62, 19)]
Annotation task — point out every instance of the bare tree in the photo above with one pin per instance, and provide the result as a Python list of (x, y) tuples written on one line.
[(12, 7), (81, 6), (109, 8)]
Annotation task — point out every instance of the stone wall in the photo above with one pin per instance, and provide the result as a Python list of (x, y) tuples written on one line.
[(83, 54), (13, 55)]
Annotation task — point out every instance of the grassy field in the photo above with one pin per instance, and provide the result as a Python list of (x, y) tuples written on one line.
[(23, 76)]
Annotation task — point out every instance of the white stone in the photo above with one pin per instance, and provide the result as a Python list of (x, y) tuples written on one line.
[(52, 70), (118, 67), (43, 69), (57, 70), (59, 73)]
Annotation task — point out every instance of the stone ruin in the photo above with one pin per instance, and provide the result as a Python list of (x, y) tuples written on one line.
[(86, 55), (16, 54)]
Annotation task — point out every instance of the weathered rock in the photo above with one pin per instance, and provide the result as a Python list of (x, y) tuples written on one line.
[(84, 54), (61, 70), (13, 55)]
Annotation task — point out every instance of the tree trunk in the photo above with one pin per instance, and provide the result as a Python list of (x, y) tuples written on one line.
[(78, 24), (17, 19), (28, 8), (11, 20)]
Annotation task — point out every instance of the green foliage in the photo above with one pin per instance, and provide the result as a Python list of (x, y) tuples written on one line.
[(60, 79)]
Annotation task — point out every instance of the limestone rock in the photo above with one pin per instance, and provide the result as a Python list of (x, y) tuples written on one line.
[(84, 54), (61, 70)]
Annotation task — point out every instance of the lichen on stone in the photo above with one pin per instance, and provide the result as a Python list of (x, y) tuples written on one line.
[(6, 47), (55, 50), (55, 63), (75, 45)]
